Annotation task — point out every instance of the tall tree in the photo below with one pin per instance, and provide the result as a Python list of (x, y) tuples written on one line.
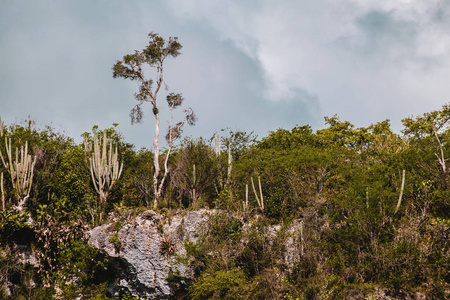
[(132, 67)]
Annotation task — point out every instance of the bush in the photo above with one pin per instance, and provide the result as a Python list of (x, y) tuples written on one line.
[(220, 285)]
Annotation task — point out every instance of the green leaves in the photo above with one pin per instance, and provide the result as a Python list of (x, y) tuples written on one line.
[(158, 49), (427, 123)]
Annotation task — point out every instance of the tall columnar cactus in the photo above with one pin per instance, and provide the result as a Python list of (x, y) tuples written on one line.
[(3, 191), (21, 170), (217, 145), (245, 203), (104, 165), (302, 249), (259, 199), (230, 166), (401, 192)]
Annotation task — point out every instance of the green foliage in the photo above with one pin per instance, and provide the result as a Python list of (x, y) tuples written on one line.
[(115, 240), (239, 141), (226, 200), (13, 227), (220, 285), (135, 188), (256, 255), (194, 153), (341, 182), (196, 256), (223, 227)]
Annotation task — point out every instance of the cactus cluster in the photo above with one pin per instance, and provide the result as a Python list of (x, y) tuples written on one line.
[(21, 170), (103, 164)]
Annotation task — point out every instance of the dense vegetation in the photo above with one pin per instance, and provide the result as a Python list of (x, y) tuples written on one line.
[(374, 204)]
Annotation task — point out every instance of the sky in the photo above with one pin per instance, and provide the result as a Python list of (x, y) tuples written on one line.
[(255, 65)]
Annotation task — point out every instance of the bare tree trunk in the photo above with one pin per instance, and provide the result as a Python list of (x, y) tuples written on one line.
[(166, 159), (156, 138), (441, 159), (156, 161), (166, 171)]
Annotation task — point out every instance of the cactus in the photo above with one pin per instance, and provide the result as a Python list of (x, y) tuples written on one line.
[(104, 165), (302, 250), (261, 199), (3, 191), (245, 203), (217, 145), (230, 166), (21, 171), (401, 192)]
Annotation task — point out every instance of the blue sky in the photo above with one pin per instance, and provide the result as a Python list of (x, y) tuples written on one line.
[(249, 65)]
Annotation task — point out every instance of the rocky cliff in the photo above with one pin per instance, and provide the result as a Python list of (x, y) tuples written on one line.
[(140, 248), (147, 251), (139, 261)]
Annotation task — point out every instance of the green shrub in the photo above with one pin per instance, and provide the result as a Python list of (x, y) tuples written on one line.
[(220, 285)]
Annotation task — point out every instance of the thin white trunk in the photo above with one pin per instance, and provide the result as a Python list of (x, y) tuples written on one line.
[(230, 166), (156, 160), (441, 159), (160, 80), (158, 189), (166, 171)]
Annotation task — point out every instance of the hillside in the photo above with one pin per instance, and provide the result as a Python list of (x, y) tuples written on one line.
[(337, 213)]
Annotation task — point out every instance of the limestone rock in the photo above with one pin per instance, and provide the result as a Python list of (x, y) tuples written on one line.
[(139, 264)]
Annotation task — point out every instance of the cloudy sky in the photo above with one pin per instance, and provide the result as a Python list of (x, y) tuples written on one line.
[(250, 65)]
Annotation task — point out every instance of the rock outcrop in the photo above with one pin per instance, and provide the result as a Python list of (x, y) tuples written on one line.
[(135, 247)]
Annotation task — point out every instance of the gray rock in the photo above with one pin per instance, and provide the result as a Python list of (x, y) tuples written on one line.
[(139, 264)]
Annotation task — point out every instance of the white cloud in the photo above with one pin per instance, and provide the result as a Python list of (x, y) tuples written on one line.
[(256, 64), (364, 59)]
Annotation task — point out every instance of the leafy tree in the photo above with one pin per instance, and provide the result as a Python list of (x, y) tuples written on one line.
[(135, 187), (132, 67), (70, 190), (434, 124), (194, 172)]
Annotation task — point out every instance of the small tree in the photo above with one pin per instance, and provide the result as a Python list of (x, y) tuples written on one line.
[(132, 67)]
